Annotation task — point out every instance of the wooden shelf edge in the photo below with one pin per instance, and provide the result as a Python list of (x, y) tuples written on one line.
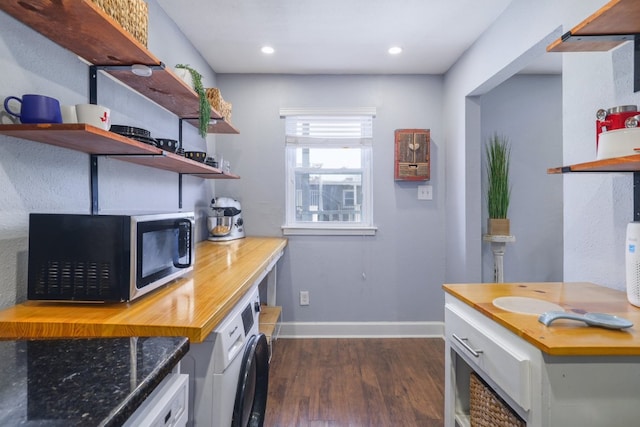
[(216, 175), (616, 18), (270, 314), (617, 164), (269, 321), (221, 126), (80, 137), (179, 164), (584, 45), (92, 140)]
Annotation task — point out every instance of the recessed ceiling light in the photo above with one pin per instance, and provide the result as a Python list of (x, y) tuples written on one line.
[(395, 50), (267, 49)]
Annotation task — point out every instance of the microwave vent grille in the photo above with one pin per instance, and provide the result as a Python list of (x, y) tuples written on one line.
[(75, 280)]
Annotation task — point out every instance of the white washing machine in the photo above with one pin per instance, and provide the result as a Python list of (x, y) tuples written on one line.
[(229, 371)]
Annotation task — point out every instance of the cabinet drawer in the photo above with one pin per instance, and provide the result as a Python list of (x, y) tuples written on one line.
[(489, 354)]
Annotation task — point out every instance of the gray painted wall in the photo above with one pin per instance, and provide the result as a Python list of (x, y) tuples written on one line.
[(502, 51), (36, 177), (404, 262), (528, 110), (597, 206)]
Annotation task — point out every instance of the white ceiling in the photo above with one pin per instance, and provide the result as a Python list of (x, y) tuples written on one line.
[(335, 36)]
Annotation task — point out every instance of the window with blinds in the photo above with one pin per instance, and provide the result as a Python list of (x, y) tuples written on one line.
[(328, 158)]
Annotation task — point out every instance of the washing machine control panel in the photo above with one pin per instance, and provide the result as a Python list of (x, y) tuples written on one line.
[(247, 318)]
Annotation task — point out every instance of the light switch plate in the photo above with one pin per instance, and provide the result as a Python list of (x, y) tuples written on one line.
[(425, 192)]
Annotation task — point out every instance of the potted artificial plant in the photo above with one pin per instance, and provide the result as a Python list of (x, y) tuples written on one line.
[(498, 153), (205, 107)]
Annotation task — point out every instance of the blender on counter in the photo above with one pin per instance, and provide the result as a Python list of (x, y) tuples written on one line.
[(225, 222)]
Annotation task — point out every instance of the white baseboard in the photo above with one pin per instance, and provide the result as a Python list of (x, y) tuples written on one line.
[(361, 330)]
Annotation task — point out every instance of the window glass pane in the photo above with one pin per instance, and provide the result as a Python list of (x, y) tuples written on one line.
[(328, 197)]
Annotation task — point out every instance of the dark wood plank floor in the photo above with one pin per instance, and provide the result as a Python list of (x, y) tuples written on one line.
[(356, 383)]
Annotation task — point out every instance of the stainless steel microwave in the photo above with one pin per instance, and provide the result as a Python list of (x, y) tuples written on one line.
[(109, 258)]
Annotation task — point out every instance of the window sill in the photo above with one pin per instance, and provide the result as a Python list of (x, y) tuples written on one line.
[(288, 230)]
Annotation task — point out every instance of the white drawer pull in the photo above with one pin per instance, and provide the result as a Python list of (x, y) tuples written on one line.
[(463, 342)]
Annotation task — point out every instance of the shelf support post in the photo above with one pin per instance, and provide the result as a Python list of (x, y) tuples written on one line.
[(179, 191), (179, 175), (93, 84), (636, 196), (93, 166)]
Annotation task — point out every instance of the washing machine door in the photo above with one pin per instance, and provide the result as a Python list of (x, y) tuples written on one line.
[(251, 397)]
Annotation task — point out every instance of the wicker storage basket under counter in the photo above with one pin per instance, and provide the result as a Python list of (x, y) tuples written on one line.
[(487, 409), (132, 15), (220, 105)]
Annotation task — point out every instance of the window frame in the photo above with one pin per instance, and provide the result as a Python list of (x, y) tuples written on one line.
[(292, 226)]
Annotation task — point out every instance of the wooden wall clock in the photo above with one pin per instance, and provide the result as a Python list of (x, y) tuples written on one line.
[(412, 154)]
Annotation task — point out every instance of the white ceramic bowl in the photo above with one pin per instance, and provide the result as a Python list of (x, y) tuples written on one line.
[(618, 143)]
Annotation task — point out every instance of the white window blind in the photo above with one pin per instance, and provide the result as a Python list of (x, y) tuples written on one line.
[(333, 130)]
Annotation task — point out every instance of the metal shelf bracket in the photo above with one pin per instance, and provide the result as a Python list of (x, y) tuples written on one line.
[(571, 38)]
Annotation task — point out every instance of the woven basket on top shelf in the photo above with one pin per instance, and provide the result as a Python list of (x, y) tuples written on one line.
[(487, 409), (220, 105), (132, 15)]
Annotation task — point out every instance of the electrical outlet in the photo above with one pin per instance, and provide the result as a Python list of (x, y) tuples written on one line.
[(425, 192), (304, 297)]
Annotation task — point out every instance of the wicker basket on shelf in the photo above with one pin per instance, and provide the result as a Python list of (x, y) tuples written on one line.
[(487, 409), (218, 103), (132, 15)]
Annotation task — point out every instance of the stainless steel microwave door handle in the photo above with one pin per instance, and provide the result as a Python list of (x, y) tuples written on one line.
[(463, 343), (184, 243)]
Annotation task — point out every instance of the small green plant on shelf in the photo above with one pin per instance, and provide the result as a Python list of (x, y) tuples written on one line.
[(498, 154), (205, 107)]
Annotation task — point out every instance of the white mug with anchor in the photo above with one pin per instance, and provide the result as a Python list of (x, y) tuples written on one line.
[(95, 115)]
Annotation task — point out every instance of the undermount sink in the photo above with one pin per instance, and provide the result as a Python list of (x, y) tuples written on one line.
[(525, 305)]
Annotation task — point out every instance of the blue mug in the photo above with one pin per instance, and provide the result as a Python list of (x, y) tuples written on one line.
[(36, 109)]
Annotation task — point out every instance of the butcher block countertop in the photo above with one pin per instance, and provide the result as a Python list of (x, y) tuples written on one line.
[(562, 337), (189, 307)]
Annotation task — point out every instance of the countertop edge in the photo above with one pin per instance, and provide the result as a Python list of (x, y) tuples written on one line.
[(122, 412)]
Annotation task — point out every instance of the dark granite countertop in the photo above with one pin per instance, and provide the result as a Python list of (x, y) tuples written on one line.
[(82, 382)]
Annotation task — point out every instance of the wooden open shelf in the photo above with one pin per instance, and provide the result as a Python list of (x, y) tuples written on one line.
[(86, 30), (617, 164), (616, 22), (92, 140), (269, 321), (220, 125)]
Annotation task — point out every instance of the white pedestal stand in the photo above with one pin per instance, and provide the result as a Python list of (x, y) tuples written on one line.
[(498, 246)]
